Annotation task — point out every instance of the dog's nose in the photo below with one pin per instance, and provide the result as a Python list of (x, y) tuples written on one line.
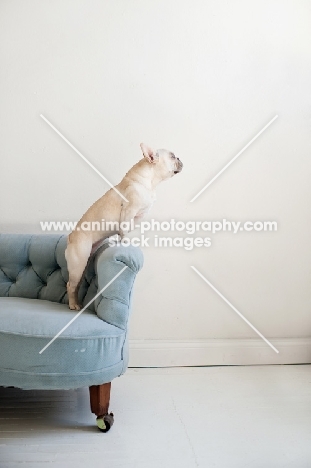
[(177, 159)]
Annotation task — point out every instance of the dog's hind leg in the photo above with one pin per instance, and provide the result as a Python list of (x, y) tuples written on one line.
[(77, 255)]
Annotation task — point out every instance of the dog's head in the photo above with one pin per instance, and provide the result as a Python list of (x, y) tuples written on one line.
[(165, 162)]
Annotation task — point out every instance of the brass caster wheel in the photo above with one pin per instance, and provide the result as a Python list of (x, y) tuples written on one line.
[(105, 422)]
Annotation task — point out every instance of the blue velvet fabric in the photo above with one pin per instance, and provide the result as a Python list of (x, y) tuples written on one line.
[(34, 308)]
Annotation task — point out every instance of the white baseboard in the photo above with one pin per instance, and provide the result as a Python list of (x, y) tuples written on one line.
[(215, 352)]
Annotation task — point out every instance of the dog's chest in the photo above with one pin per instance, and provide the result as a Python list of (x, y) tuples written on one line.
[(147, 206)]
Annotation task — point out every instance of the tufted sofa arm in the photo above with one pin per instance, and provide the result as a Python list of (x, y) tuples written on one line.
[(113, 305), (34, 267)]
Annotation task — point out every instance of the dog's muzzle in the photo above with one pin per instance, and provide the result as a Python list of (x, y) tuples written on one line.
[(179, 167)]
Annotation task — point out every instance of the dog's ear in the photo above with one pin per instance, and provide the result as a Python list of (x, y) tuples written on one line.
[(149, 154)]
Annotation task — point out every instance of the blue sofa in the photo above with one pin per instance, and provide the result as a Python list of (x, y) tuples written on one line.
[(93, 349)]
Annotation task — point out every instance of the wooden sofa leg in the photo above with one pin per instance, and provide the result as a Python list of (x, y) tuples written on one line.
[(100, 398)]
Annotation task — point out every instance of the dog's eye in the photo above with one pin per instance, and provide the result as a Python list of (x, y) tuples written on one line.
[(173, 156)]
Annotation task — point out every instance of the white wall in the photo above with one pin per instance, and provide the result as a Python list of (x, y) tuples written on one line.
[(200, 78)]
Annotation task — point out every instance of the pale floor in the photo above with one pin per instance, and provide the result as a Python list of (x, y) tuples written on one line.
[(224, 417)]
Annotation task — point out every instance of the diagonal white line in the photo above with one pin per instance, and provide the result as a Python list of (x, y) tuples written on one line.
[(83, 157), (79, 313), (235, 310), (233, 159)]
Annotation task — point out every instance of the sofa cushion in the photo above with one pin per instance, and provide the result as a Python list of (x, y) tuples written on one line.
[(88, 346)]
